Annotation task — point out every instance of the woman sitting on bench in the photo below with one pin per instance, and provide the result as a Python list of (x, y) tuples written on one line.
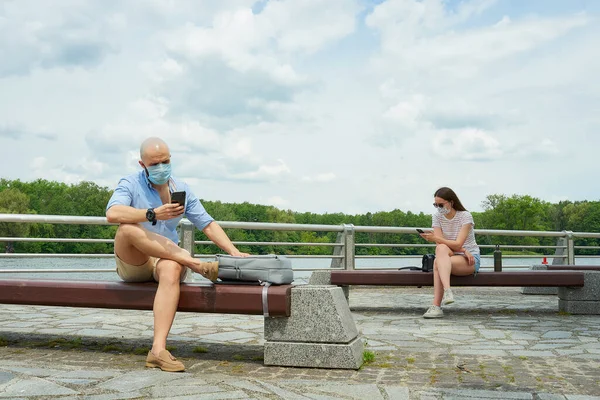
[(456, 251)]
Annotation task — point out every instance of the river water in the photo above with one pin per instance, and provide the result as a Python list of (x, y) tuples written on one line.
[(302, 267)]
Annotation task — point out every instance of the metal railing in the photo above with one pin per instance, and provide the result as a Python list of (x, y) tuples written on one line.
[(343, 253)]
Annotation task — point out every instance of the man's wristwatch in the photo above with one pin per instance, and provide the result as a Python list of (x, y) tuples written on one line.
[(151, 216)]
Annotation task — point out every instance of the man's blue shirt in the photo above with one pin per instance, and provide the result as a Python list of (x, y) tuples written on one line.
[(136, 191)]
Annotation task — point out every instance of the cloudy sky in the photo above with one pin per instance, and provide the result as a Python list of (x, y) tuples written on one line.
[(310, 105)]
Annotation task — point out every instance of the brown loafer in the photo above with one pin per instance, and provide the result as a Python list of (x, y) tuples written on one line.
[(164, 361), (210, 270)]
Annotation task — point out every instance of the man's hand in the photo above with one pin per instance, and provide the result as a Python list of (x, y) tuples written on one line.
[(168, 211), (237, 253)]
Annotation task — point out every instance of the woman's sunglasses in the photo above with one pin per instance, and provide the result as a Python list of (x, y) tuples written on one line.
[(438, 205)]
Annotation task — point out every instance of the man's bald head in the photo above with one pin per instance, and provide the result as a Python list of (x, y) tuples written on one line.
[(152, 146)]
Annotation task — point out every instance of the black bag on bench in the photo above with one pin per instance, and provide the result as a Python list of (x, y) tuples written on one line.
[(427, 264)]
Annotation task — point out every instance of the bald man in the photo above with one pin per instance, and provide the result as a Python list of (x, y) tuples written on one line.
[(146, 243)]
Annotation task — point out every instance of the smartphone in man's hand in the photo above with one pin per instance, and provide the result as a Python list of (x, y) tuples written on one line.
[(178, 197), (420, 230)]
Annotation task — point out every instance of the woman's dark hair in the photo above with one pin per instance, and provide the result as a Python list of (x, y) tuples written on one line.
[(448, 194)]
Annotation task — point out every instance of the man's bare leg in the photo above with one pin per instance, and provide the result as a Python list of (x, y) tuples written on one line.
[(134, 244), (165, 302)]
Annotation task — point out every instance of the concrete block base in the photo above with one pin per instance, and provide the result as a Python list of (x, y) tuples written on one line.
[(320, 278), (319, 333), (324, 278), (583, 300), (315, 355), (539, 290), (579, 307)]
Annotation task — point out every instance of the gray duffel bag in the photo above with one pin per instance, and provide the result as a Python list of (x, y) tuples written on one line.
[(270, 268)]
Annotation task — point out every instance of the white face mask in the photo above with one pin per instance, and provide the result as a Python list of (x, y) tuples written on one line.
[(443, 210)]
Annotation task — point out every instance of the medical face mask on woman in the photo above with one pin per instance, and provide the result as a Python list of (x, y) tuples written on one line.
[(159, 174), (443, 210)]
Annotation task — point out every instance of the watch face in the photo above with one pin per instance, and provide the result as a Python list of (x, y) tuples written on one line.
[(150, 215)]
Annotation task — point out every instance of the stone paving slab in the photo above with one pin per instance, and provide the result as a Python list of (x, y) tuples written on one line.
[(492, 344)]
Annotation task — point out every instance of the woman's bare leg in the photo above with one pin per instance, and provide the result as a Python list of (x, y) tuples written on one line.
[(443, 264)]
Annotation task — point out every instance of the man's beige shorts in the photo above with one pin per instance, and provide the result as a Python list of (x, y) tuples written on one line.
[(141, 273)]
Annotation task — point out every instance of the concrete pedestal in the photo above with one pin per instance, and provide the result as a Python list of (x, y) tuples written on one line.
[(324, 278), (320, 332), (583, 300), (541, 289)]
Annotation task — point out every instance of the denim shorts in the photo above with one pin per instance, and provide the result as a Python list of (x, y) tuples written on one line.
[(477, 258)]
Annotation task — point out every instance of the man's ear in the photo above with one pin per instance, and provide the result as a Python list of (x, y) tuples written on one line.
[(142, 164)]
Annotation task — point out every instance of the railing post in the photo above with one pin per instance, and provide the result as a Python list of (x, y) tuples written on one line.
[(186, 235), (570, 247), (560, 251), (349, 247), (338, 250), (346, 247)]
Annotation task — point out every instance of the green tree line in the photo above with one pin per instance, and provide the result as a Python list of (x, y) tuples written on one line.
[(516, 212)]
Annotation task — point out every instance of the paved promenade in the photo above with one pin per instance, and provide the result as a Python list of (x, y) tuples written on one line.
[(493, 344)]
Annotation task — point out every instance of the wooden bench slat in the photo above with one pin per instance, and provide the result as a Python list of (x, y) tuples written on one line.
[(195, 297), (419, 278), (573, 267)]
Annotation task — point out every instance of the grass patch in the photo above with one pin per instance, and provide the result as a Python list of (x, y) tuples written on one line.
[(238, 357), (410, 360), (60, 342), (385, 365), (434, 376), (237, 369), (3, 342), (141, 350), (171, 348), (200, 349), (111, 347), (523, 358), (368, 357), (258, 358), (564, 313), (512, 312)]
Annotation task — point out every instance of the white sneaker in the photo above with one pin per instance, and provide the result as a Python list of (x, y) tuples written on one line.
[(448, 297), (434, 312)]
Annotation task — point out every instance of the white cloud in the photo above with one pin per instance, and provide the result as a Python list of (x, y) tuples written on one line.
[(294, 102), (269, 173), (320, 178), (277, 201), (34, 37), (467, 144)]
